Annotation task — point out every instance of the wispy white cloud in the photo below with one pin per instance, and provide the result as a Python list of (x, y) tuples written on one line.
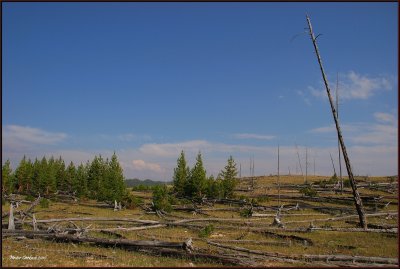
[(253, 136), (193, 147), (24, 134), (173, 149), (142, 165), (385, 117), (332, 128), (377, 134), (356, 86), (304, 97), (383, 131), (129, 137)]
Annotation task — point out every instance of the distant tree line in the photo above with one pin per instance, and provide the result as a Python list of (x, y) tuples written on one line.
[(99, 179), (194, 182)]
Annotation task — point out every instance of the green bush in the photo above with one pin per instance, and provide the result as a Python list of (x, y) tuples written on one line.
[(206, 231), (263, 199), (161, 199), (44, 203), (246, 213), (130, 201), (30, 198), (309, 191), (346, 183)]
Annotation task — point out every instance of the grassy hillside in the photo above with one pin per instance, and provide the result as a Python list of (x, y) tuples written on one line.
[(147, 182)]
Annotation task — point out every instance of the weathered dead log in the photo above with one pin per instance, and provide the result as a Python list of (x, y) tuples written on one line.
[(373, 226), (255, 242), (344, 217), (111, 233), (32, 206), (224, 259), (325, 258), (214, 219), (22, 232), (130, 228), (339, 229), (257, 252), (285, 215), (299, 239), (99, 219), (123, 243), (359, 259)]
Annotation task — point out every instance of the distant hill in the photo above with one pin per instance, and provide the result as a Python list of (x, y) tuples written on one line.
[(147, 182)]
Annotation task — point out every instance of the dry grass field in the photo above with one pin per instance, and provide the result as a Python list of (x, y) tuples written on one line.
[(223, 229)]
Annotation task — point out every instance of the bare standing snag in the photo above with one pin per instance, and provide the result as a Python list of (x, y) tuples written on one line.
[(357, 198)]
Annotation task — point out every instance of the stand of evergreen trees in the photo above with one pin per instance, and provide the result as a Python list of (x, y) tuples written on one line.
[(194, 182), (100, 179)]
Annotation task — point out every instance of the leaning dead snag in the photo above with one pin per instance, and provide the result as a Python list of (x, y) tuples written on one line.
[(357, 198)]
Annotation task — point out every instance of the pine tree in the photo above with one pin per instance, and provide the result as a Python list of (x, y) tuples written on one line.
[(51, 174), (23, 176), (115, 179), (213, 187), (96, 175), (60, 175), (35, 176), (229, 180), (181, 173), (81, 179), (161, 198), (196, 184), (70, 177), (6, 178)]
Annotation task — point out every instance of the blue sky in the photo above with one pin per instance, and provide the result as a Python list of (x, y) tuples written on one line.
[(150, 79)]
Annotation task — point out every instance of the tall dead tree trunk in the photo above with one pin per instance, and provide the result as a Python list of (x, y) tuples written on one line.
[(337, 115), (333, 165), (357, 198)]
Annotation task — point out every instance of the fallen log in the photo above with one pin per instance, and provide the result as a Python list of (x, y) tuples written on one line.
[(255, 242), (351, 230), (257, 252), (307, 257), (285, 215), (99, 219), (359, 259), (299, 239), (344, 217), (130, 228), (224, 259), (32, 206), (373, 226), (214, 219), (123, 243), (111, 233)]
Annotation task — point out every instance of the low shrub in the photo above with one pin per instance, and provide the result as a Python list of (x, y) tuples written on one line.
[(30, 198), (263, 199), (246, 212), (206, 231), (130, 201), (309, 191), (44, 203)]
